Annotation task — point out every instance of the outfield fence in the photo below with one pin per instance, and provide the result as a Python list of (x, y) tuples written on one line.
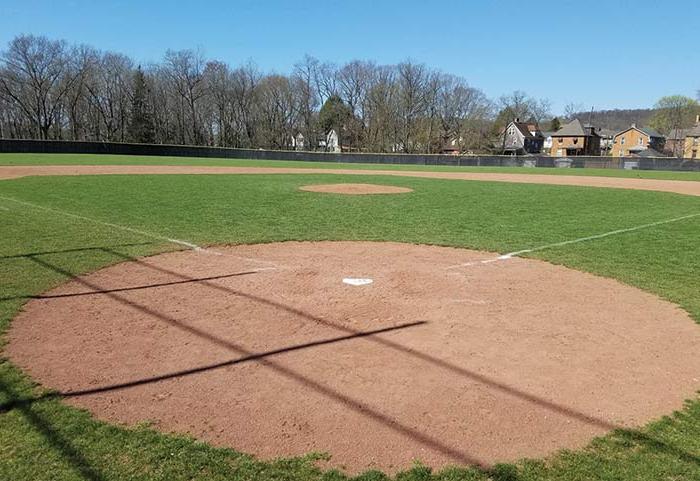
[(75, 147)]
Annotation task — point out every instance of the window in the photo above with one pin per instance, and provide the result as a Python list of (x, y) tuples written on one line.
[(622, 141), (560, 140), (694, 154), (640, 141)]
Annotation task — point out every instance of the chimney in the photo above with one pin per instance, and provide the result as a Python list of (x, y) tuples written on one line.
[(697, 119), (634, 125), (517, 120)]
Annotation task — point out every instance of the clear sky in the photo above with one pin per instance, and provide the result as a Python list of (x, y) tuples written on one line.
[(602, 54)]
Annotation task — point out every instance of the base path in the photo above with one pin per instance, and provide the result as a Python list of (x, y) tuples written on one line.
[(676, 186), (476, 365)]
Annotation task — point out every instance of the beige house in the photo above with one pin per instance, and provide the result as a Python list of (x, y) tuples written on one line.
[(634, 140), (691, 148)]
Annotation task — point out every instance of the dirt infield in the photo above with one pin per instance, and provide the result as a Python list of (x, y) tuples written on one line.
[(266, 349), (676, 186), (355, 189)]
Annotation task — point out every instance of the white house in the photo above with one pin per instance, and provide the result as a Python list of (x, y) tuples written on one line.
[(332, 143), (547, 144), (298, 141)]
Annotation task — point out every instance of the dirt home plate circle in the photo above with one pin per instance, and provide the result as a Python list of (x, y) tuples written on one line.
[(265, 349)]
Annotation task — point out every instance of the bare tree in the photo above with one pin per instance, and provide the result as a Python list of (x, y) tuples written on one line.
[(245, 91), (37, 75), (304, 77), (326, 80), (412, 88), (464, 112), (185, 71), (572, 109), (278, 111), (382, 116)]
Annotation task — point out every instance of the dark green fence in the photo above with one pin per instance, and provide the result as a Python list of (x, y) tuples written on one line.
[(71, 147)]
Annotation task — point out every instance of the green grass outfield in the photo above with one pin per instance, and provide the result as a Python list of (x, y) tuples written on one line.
[(45, 439), (88, 159)]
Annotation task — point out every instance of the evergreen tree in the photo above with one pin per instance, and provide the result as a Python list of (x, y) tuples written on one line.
[(141, 125), (334, 114), (554, 124)]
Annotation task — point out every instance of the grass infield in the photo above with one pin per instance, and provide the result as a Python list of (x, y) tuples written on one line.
[(44, 439)]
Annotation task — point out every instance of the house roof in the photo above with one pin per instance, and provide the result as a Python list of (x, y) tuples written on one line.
[(649, 132), (575, 129), (681, 134), (524, 129), (677, 134)]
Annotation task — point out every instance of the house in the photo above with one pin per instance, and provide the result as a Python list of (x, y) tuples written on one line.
[(635, 139), (675, 142), (547, 144), (522, 138), (691, 149), (451, 146), (298, 141), (606, 140), (680, 142), (331, 143), (575, 139)]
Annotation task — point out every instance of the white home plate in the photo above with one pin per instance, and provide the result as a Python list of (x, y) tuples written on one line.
[(353, 281)]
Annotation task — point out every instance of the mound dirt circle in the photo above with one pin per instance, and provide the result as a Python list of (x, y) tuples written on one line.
[(265, 349), (355, 189)]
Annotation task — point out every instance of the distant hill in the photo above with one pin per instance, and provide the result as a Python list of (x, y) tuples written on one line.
[(616, 120)]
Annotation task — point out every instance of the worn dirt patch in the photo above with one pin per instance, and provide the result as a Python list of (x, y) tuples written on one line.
[(266, 350), (355, 189), (676, 186)]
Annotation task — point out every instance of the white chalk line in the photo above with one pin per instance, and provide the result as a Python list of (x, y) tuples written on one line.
[(510, 255), (189, 245)]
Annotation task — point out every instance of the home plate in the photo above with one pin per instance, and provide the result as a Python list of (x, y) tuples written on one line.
[(354, 281)]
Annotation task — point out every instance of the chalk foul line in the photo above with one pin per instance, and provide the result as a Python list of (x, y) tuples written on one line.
[(189, 245), (510, 255)]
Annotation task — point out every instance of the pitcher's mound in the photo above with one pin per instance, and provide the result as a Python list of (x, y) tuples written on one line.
[(266, 349), (355, 189)]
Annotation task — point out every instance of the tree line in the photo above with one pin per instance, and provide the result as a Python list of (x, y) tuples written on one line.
[(50, 89)]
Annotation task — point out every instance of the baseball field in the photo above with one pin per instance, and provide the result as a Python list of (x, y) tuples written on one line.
[(211, 319)]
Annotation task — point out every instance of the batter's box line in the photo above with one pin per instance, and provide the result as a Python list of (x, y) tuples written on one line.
[(189, 245), (510, 255)]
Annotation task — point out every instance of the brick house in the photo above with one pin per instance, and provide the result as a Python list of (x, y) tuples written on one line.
[(575, 139), (634, 140)]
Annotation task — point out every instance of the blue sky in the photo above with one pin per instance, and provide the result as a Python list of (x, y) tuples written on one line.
[(602, 54)]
